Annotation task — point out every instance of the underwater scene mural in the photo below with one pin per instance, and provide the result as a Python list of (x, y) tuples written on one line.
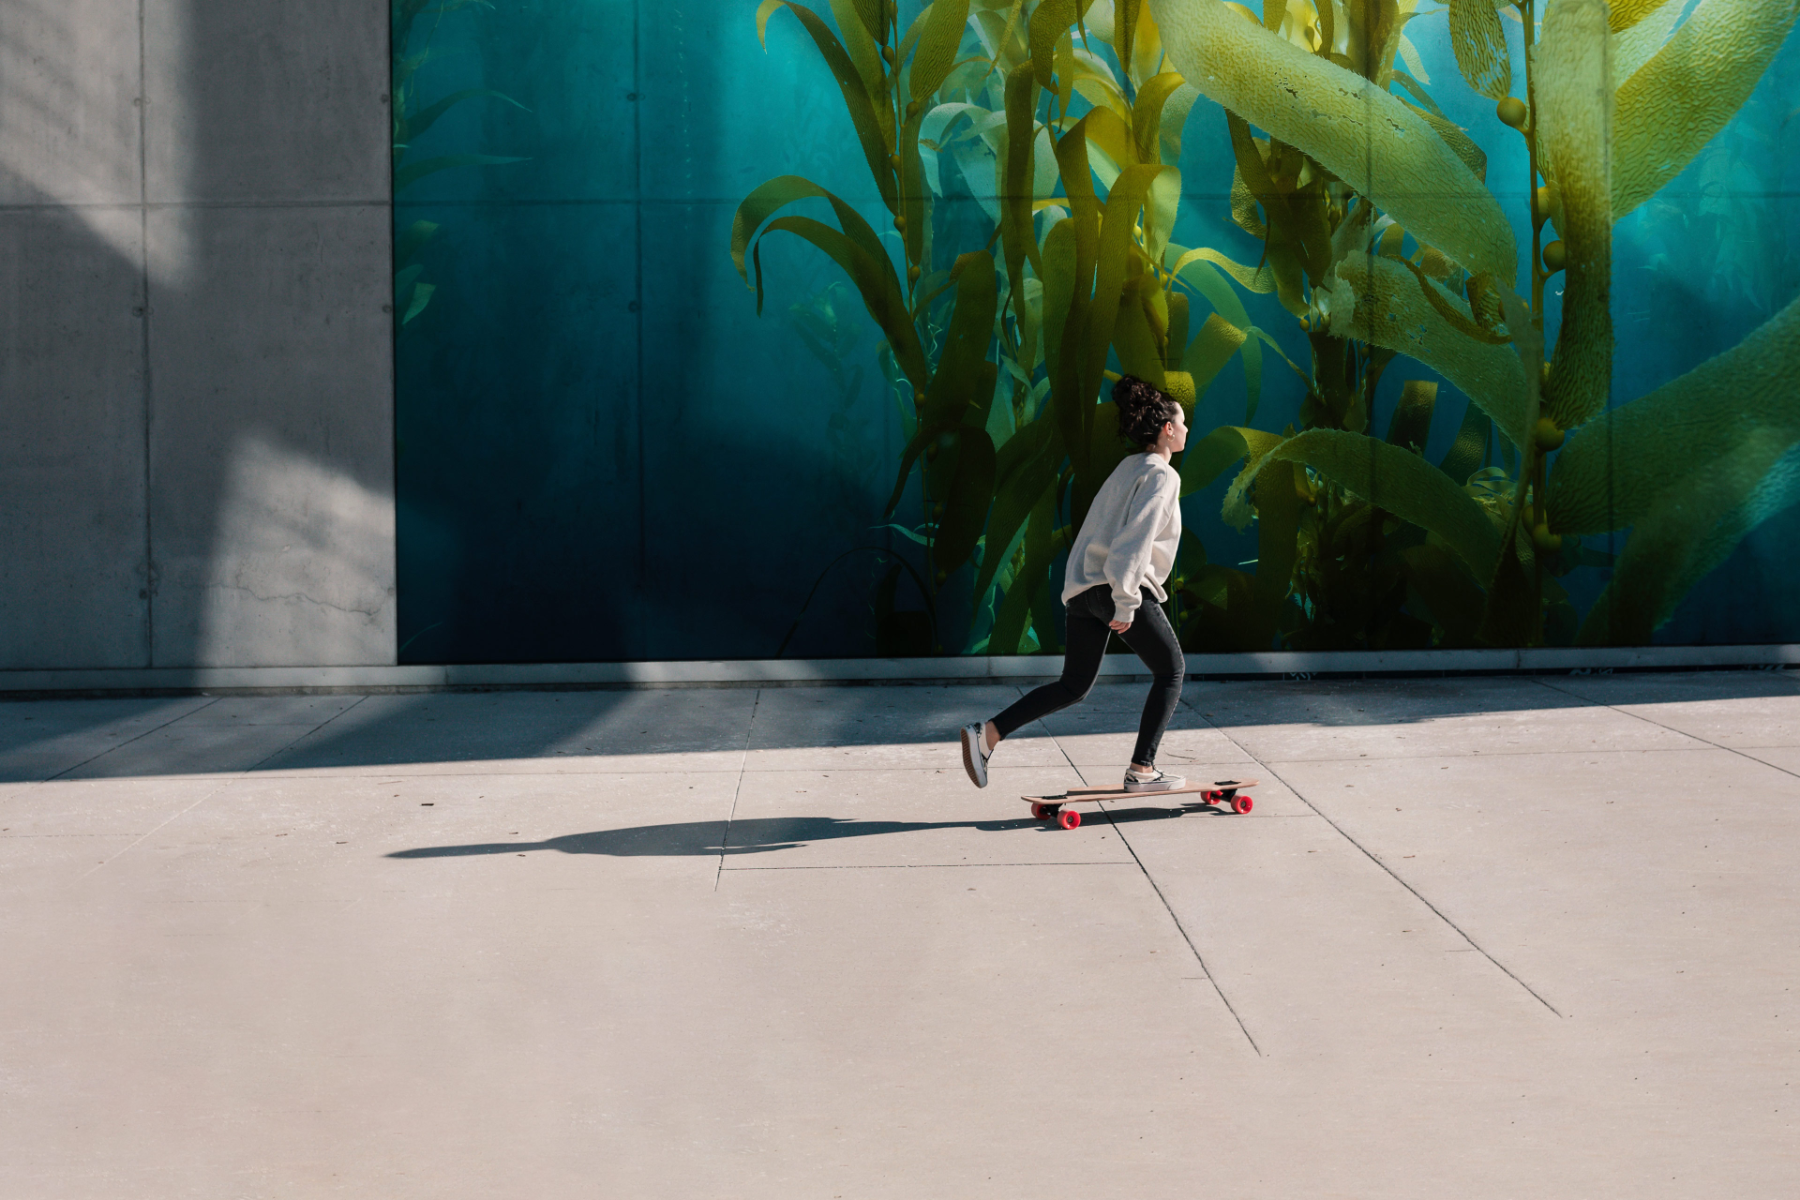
[(739, 330)]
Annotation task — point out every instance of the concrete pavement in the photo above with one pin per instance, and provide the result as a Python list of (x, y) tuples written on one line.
[(1479, 937)]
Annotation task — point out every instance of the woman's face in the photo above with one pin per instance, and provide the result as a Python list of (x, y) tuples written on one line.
[(1174, 434)]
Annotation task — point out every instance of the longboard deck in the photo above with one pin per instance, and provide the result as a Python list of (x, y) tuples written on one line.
[(1226, 792), (1085, 795)]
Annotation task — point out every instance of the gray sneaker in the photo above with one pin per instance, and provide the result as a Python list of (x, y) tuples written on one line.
[(975, 752), (1152, 781)]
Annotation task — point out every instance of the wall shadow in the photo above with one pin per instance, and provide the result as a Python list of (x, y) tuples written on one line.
[(710, 728)]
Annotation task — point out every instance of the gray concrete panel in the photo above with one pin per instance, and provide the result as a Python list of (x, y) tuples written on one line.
[(68, 87), (264, 100), (72, 550), (272, 438)]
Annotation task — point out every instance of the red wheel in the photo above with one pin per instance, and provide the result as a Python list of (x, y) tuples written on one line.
[(1043, 812), (1069, 820), (1209, 796), (1242, 804)]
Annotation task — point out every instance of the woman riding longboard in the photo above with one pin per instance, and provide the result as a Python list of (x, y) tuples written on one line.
[(1114, 584)]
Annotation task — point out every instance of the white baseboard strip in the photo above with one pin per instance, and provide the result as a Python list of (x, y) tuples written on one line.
[(800, 672)]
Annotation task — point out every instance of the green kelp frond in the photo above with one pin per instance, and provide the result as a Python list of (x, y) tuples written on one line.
[(1691, 468), (1575, 94), (1050, 29), (1627, 13), (1480, 45), (1193, 268), (1401, 482), (1174, 120), (1459, 141), (873, 122), (938, 41), (1615, 469), (1376, 299), (1135, 191), (1211, 349), (1390, 477), (1259, 279), (1147, 114), (1207, 459), (858, 39), (1129, 28), (1464, 457), (856, 248), (1361, 133), (953, 415), (1670, 108), (1410, 426), (1692, 528), (1025, 473), (1634, 47)]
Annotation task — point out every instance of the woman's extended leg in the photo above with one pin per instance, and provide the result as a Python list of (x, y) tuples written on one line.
[(1087, 634), (1152, 638)]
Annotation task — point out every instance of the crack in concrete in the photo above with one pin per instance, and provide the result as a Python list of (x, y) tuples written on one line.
[(743, 765), (370, 613)]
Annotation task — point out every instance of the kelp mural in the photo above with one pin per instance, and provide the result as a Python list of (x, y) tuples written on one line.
[(1383, 239), (415, 24)]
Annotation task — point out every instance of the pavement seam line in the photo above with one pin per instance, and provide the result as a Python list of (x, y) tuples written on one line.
[(96, 758), (1151, 880), (228, 781), (1684, 733), (1376, 859), (743, 765), (279, 751), (284, 749)]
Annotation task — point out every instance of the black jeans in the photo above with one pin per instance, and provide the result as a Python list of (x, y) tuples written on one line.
[(1150, 636)]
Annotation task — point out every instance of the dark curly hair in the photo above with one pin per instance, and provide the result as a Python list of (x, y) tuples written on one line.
[(1143, 410)]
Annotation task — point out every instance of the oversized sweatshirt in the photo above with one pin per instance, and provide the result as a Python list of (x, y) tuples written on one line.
[(1130, 535)]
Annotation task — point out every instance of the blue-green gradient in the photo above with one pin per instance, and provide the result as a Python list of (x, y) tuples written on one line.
[(604, 453)]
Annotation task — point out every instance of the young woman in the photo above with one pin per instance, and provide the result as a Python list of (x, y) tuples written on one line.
[(1113, 584)]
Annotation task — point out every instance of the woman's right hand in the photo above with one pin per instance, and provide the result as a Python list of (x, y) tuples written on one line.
[(1119, 626)]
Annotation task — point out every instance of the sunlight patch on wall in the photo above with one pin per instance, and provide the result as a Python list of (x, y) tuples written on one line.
[(302, 566)]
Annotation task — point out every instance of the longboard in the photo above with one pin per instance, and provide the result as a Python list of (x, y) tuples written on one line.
[(1223, 792)]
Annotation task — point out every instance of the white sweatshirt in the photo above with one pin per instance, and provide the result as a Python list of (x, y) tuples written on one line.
[(1130, 535)]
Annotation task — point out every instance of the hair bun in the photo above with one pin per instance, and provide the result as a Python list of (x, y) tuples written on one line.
[(1143, 410)]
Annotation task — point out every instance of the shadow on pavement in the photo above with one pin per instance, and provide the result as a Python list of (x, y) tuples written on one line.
[(763, 834)]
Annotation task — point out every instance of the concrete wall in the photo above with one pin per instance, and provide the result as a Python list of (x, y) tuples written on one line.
[(196, 425)]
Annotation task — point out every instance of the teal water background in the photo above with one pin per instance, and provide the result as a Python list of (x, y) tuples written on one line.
[(604, 454)]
